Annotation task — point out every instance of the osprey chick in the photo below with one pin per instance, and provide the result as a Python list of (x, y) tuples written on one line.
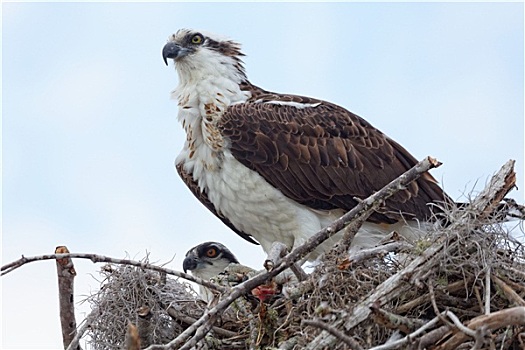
[(209, 260), (277, 167)]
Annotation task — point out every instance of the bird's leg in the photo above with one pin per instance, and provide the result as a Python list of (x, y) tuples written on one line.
[(277, 251)]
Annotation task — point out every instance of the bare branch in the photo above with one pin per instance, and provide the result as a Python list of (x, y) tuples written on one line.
[(394, 321), (96, 258), (487, 290), (351, 342), (432, 337), (509, 292), (453, 287), (508, 317), (460, 325), (86, 323), (190, 320), (381, 250), (277, 251), (66, 275), (409, 337)]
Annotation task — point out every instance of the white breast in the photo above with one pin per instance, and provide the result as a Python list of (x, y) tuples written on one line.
[(253, 205), (243, 196), (240, 194)]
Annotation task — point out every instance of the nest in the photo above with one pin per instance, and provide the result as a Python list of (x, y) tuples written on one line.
[(462, 286), (158, 307), (453, 279), (132, 295)]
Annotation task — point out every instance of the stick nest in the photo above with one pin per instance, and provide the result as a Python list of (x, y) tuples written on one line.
[(469, 269), (453, 279)]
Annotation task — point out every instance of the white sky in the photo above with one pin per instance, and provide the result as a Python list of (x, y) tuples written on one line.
[(90, 133)]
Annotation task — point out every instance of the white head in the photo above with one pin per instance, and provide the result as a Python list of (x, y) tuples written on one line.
[(199, 54), (208, 259)]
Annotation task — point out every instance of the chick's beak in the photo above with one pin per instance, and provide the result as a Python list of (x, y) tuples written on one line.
[(190, 263)]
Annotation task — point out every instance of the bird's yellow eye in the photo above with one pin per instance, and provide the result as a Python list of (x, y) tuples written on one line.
[(197, 39), (211, 253)]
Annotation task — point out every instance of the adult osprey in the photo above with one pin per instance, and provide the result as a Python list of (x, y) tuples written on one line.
[(278, 167)]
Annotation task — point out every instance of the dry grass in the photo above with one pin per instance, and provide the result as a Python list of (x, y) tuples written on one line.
[(126, 289)]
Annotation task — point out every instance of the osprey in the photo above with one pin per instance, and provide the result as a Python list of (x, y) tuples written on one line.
[(277, 167), (209, 260)]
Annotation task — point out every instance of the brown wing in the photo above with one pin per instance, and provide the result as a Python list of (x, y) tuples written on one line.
[(324, 156), (203, 198)]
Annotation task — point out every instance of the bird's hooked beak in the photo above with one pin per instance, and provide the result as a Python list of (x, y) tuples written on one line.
[(190, 263), (173, 50)]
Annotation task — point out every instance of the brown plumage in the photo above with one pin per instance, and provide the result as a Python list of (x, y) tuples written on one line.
[(324, 156)]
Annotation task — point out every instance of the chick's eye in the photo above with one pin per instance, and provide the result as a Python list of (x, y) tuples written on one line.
[(196, 39), (211, 253)]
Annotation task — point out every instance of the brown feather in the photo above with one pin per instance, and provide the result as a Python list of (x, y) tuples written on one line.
[(323, 156)]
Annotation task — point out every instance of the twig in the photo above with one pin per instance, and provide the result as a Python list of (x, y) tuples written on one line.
[(362, 210), (509, 292), (514, 271), (508, 317), (478, 297), (88, 321), (410, 337), (381, 250), (351, 342), (66, 275), (394, 321), (434, 304), (460, 325), (289, 344), (96, 258), (487, 290), (515, 286), (433, 297), (299, 272), (432, 337), (453, 287), (440, 331), (481, 334), (190, 320), (504, 337)]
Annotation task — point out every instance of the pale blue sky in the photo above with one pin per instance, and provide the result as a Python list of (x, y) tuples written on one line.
[(90, 133)]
